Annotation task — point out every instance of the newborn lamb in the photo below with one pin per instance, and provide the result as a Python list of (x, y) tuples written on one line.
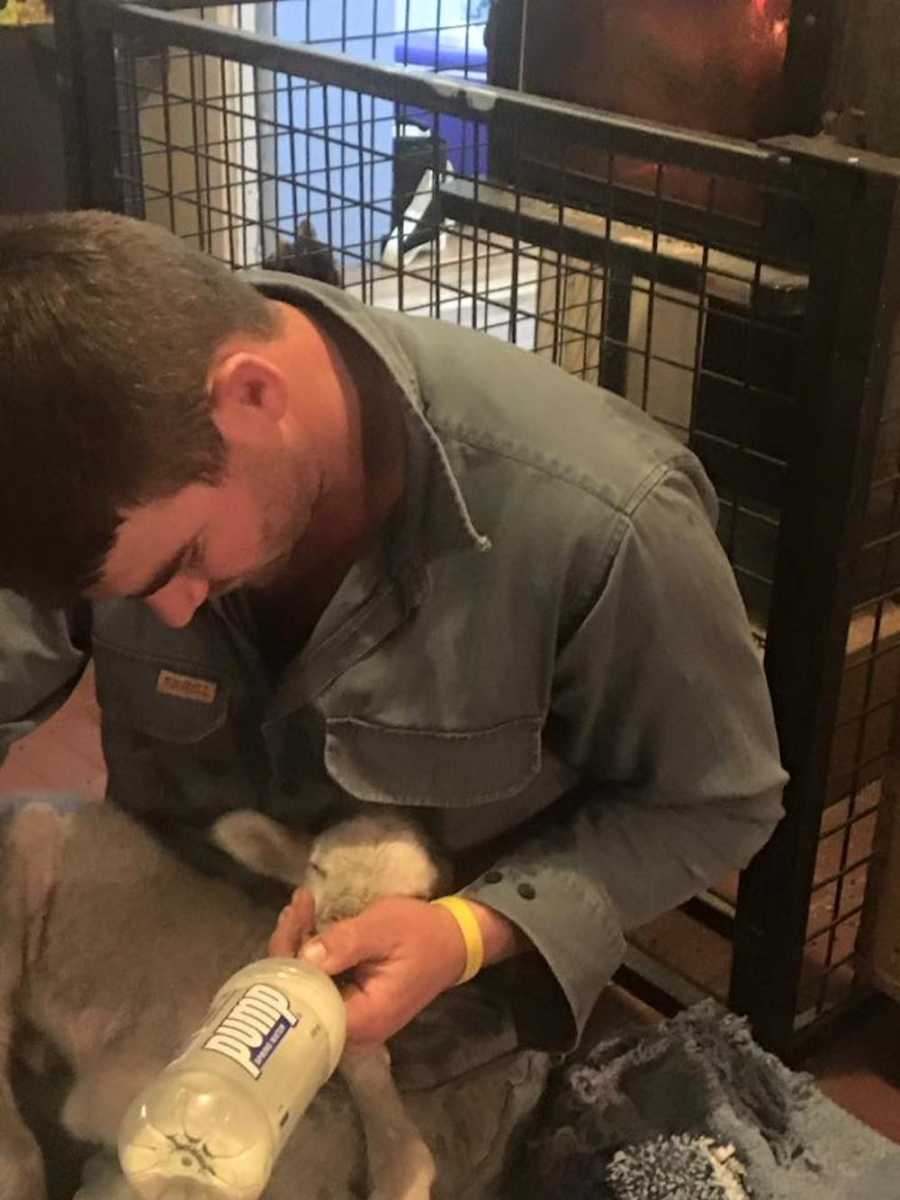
[(111, 949)]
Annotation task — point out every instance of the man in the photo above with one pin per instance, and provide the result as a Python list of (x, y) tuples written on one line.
[(327, 557)]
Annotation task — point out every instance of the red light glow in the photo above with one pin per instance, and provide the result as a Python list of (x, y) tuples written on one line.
[(770, 21)]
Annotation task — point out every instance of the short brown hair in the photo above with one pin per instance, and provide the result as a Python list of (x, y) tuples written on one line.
[(107, 329)]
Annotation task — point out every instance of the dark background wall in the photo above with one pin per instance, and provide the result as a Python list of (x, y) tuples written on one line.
[(32, 163)]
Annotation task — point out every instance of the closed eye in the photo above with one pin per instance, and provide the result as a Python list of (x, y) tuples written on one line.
[(193, 557), (187, 559)]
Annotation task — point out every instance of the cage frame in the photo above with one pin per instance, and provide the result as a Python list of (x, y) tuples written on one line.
[(850, 353)]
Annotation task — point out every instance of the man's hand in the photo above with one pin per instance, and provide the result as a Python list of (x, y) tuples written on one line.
[(402, 954)]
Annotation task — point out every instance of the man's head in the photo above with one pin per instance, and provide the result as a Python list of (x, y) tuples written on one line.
[(109, 329)]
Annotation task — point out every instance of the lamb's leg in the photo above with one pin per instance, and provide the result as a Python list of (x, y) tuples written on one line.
[(99, 1097), (401, 1166)]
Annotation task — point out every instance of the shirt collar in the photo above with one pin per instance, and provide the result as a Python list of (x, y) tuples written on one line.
[(436, 518)]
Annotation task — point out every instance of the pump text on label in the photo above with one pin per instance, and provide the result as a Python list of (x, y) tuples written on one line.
[(253, 1028)]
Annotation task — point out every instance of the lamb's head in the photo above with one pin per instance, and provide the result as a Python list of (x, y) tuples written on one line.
[(353, 863), (346, 867)]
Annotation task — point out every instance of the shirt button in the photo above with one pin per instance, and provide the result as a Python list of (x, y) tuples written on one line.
[(493, 877), (526, 891)]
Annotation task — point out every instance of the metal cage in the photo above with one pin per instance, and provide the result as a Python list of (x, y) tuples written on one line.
[(745, 295)]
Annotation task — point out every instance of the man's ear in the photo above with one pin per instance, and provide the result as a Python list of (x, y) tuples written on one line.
[(247, 392)]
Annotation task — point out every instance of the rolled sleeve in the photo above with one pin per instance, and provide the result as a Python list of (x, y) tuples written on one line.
[(660, 702)]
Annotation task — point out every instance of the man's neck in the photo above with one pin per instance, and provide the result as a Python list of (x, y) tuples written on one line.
[(363, 442)]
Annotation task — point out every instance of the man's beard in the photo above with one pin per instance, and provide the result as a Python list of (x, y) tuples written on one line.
[(287, 515), (286, 518)]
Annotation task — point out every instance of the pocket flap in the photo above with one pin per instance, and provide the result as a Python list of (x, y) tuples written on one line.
[(169, 700), (390, 765)]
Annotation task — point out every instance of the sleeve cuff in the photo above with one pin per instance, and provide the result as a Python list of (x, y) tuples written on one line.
[(573, 925)]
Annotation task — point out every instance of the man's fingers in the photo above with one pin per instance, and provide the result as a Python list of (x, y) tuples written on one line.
[(341, 946), (295, 924), (303, 906), (286, 938)]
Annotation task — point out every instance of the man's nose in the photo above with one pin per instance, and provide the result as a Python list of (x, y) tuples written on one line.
[(176, 603)]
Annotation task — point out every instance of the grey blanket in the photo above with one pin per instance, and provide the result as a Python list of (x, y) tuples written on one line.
[(694, 1110)]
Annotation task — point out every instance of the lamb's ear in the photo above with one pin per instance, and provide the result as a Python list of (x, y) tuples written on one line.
[(263, 845)]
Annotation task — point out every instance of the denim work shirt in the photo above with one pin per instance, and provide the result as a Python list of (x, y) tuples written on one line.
[(547, 661)]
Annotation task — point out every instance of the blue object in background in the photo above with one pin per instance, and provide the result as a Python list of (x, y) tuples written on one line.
[(458, 52), (333, 149), (459, 49)]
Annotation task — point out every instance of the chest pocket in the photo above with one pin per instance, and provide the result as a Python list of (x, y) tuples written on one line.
[(388, 765), (167, 701), (466, 788), (174, 741)]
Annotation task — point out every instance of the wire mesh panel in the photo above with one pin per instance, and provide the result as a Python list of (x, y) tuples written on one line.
[(702, 278)]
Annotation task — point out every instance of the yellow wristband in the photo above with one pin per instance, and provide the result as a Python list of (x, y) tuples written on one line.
[(470, 929)]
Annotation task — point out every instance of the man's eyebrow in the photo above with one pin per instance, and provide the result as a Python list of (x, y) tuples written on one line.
[(164, 575)]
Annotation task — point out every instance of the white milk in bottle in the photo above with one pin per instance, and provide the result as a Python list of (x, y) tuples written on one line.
[(211, 1125)]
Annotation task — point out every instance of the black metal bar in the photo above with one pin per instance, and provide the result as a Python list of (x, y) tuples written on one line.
[(835, 923), (76, 128), (509, 213), (824, 150), (807, 64), (846, 1017), (835, 876), (104, 134), (89, 74), (653, 981), (656, 993), (853, 304), (713, 914), (551, 120), (677, 218), (614, 351)]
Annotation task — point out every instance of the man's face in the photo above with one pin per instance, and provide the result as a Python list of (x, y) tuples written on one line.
[(206, 540)]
